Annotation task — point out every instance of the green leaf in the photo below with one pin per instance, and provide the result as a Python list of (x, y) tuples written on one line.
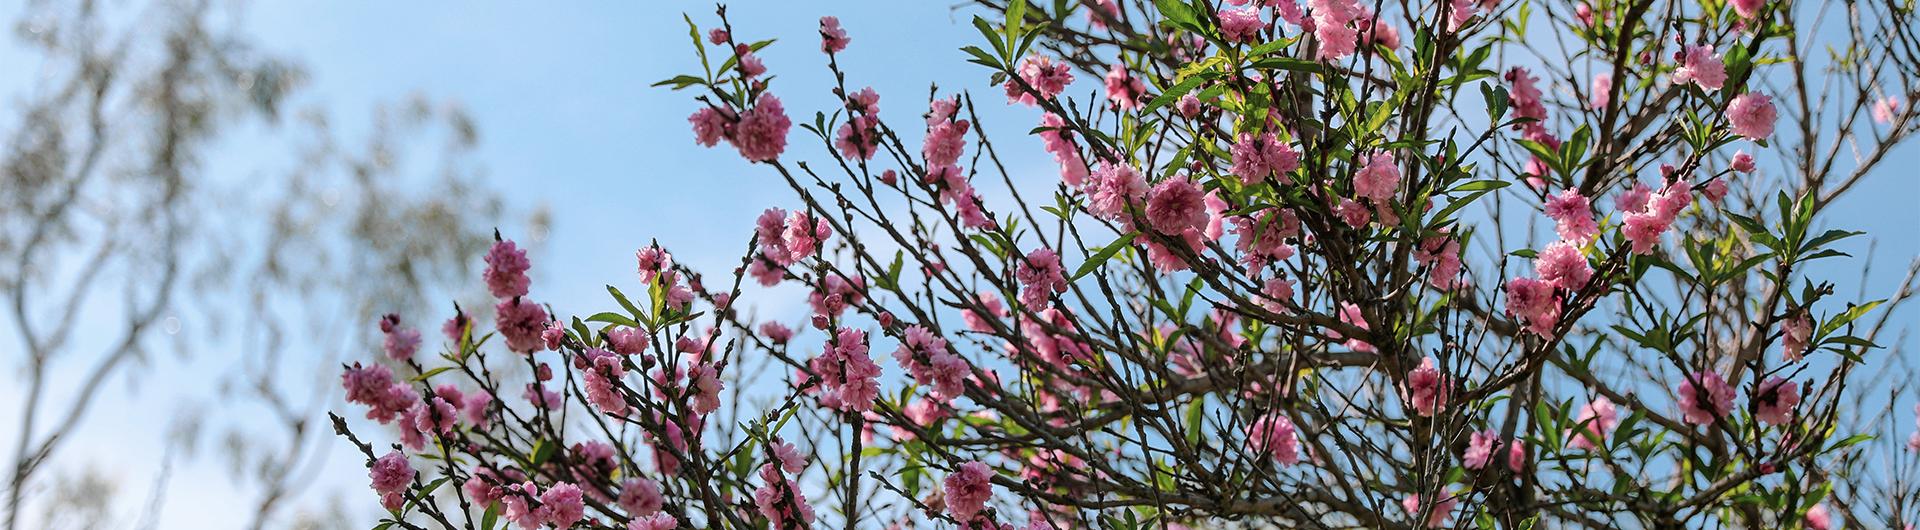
[(430, 373), (613, 318), (1100, 257), (681, 81), (1174, 92), (1481, 185), (491, 518)]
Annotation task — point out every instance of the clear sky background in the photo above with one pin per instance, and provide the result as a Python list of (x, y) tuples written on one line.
[(567, 119)]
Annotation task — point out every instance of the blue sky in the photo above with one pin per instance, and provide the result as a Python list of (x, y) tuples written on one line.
[(560, 92)]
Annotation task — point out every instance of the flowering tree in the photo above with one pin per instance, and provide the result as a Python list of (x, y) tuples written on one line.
[(1288, 277)]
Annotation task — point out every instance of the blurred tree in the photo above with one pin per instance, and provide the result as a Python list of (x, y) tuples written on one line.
[(111, 204)]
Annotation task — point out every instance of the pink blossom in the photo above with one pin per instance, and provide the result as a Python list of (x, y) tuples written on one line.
[(1274, 435), (1643, 230), (1043, 75), (401, 342), (1057, 137), (718, 36), (710, 125), (1597, 418), (562, 505), (627, 340), (1242, 24), (836, 293), (1715, 190), (1572, 214), (651, 261), (1742, 162), (1275, 293), (657, 521), (1752, 115), (1379, 179), (1259, 156), (749, 64), (761, 133), (1774, 401), (1426, 388), (946, 136), (1351, 315), (521, 322), (1188, 106), (1353, 213), (1601, 92), (1533, 301), (473, 408), (391, 475), (374, 387), (1700, 66), (1747, 8), (1885, 109), (1332, 21), (1526, 100), (981, 323), (1441, 510), (1176, 206), (1795, 331), (848, 377), (1441, 254), (1114, 188), (1458, 13), (640, 497), (1704, 396), (601, 378), (1480, 449), (1562, 265), (506, 272), (967, 489), (1124, 89), (833, 38), (1383, 34), (776, 332), (1042, 275), (1818, 518)]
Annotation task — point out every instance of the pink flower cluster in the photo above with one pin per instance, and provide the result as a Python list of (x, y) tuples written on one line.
[(374, 387), (946, 140), (560, 506), (859, 137), (1649, 215), (1256, 157), (1057, 137), (1242, 24), (1795, 332), (1596, 420), (1704, 396), (779, 498), (925, 356), (1441, 510), (1752, 115), (1701, 67), (1426, 388), (785, 239), (760, 133), (401, 342), (1044, 75), (1042, 276), (848, 377), (833, 38), (391, 475), (1481, 447), (1333, 27), (506, 272), (1274, 434), (968, 488), (1124, 89)]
